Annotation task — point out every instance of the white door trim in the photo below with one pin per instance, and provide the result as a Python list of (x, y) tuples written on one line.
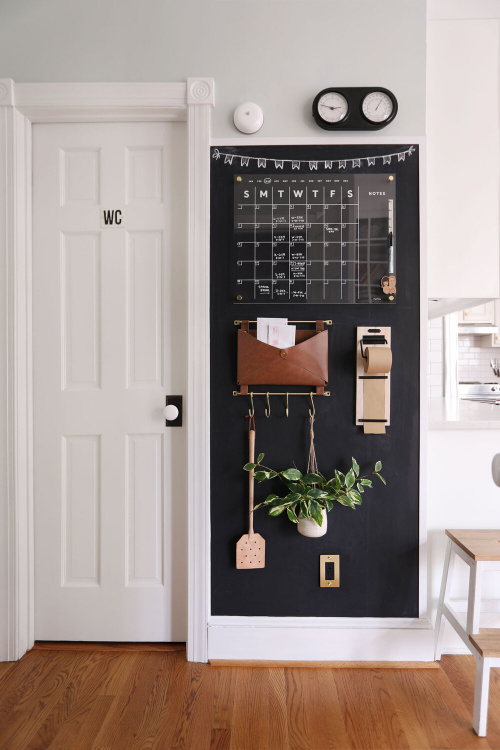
[(21, 105)]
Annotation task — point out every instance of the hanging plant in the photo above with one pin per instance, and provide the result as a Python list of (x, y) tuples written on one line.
[(308, 495)]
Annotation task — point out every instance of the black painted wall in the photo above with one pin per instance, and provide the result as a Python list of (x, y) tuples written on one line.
[(378, 542)]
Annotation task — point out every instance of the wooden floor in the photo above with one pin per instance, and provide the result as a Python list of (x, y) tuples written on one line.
[(115, 699)]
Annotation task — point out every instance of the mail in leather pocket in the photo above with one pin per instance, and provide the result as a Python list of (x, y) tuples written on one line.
[(306, 363)]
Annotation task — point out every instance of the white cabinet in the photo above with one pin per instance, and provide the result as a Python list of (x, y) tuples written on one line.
[(492, 340), (480, 314), (463, 158)]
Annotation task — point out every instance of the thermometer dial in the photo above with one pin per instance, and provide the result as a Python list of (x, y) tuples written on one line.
[(378, 107)]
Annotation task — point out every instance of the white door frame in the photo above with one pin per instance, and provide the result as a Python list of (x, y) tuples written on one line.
[(21, 105)]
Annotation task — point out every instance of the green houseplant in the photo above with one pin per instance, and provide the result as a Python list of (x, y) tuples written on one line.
[(309, 496)]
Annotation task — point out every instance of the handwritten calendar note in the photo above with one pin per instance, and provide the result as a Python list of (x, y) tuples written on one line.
[(312, 239)]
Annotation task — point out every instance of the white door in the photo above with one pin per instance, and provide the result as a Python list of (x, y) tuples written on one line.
[(109, 322)]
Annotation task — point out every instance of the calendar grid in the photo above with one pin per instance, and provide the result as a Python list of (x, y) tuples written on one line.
[(311, 239)]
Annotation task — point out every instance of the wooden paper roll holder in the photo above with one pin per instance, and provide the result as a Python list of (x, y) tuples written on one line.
[(371, 336)]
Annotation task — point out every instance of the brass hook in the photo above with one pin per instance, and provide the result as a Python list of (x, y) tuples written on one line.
[(286, 410), (268, 410), (313, 412), (252, 410)]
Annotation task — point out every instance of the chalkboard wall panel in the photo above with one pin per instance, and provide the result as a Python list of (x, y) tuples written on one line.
[(378, 543)]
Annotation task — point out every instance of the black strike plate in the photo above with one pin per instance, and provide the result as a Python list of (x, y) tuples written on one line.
[(174, 401)]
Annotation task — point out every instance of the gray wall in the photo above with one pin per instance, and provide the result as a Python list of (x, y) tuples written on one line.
[(279, 53)]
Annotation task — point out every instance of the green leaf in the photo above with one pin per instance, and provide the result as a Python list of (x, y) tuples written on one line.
[(367, 482), (249, 467), (315, 493), (357, 497), (292, 486), (291, 515), (271, 474), (355, 466), (316, 512), (261, 456), (340, 478), (381, 478), (293, 497), (329, 504), (304, 508), (312, 479), (350, 479), (261, 476), (269, 499), (360, 488), (293, 474), (378, 465), (277, 510)]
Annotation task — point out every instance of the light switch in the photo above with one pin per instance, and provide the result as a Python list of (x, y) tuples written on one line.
[(329, 571)]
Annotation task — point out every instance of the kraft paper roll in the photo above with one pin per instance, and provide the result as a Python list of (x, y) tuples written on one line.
[(378, 362)]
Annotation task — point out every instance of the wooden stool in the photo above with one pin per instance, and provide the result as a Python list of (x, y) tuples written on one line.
[(480, 549)]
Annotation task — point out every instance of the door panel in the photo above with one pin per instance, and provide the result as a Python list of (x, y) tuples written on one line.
[(109, 322)]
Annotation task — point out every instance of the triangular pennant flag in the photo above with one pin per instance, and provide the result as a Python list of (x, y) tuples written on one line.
[(356, 162), (228, 159), (342, 164), (328, 164), (411, 150), (278, 164), (313, 165), (262, 163), (216, 154), (401, 156), (371, 161), (295, 164), (245, 161), (387, 160)]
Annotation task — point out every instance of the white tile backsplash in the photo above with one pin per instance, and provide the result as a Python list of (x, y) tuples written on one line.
[(474, 360)]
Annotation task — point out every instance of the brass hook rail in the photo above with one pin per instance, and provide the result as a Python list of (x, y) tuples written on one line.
[(281, 393)]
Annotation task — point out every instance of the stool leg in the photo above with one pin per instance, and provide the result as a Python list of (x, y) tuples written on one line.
[(443, 596), (481, 691), (474, 605)]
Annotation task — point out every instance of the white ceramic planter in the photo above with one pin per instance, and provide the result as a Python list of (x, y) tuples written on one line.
[(307, 527)]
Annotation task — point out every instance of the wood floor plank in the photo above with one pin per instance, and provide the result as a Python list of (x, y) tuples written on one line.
[(179, 681), (76, 701), (81, 735), (125, 714), (461, 672), (418, 702), (194, 726), (224, 697), (251, 710), (297, 718), (370, 716), (32, 709), (278, 723), (326, 727), (152, 713)]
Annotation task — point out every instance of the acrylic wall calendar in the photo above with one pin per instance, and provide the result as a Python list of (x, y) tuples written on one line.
[(321, 238)]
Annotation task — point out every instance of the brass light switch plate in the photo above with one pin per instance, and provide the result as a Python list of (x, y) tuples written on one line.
[(325, 582)]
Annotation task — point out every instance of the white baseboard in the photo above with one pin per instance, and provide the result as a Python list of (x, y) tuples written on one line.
[(320, 639)]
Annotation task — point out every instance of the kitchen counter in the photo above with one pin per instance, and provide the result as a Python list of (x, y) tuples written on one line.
[(451, 414)]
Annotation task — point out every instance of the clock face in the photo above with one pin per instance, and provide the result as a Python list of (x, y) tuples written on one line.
[(377, 106), (332, 107)]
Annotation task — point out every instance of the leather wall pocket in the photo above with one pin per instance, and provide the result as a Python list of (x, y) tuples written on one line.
[(306, 363)]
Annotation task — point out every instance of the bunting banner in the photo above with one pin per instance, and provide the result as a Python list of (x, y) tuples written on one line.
[(262, 162)]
